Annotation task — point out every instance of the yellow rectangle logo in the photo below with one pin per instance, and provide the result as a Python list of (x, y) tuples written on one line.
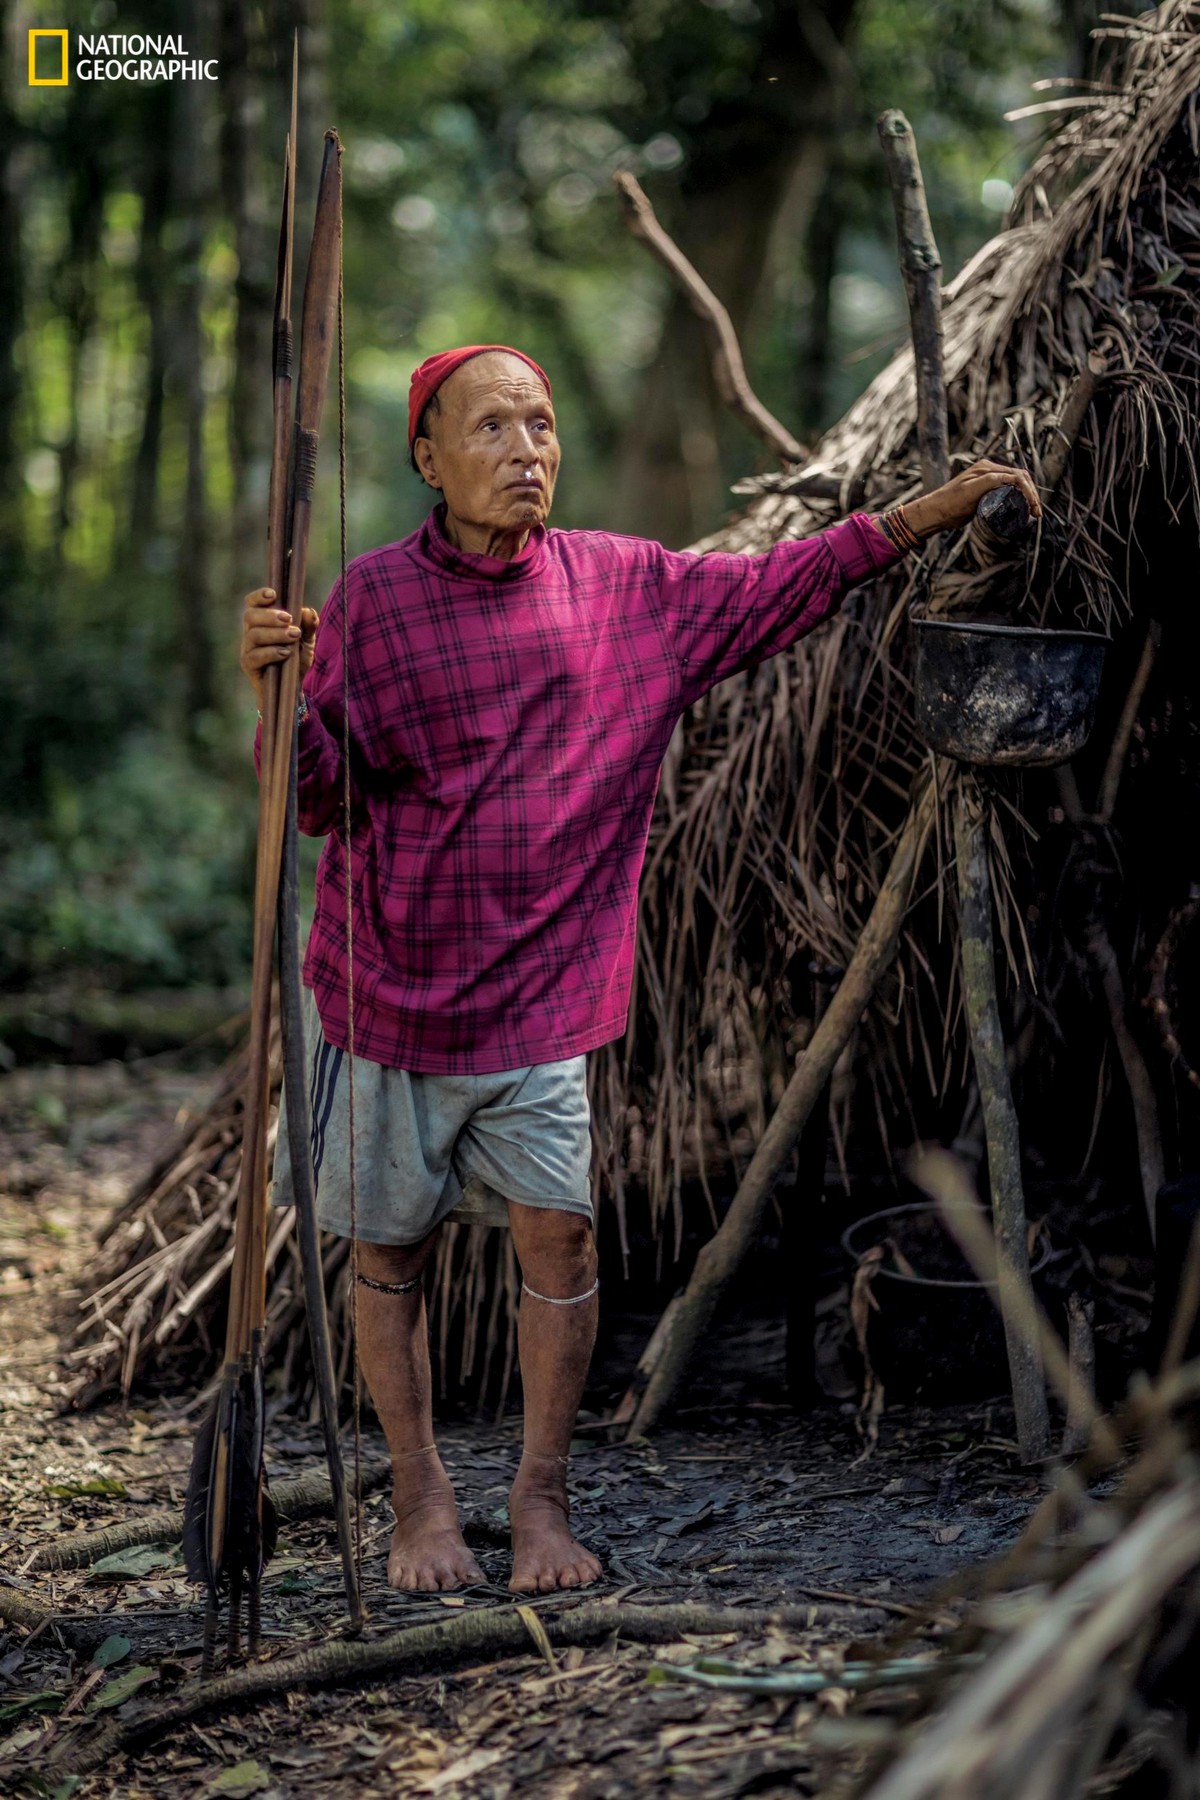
[(59, 80)]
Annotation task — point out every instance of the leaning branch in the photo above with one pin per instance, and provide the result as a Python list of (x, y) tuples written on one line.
[(729, 371), (665, 1360)]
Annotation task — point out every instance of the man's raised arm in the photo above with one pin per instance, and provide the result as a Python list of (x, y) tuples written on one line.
[(724, 611)]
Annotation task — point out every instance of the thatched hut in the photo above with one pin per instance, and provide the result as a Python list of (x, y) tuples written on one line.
[(784, 789)]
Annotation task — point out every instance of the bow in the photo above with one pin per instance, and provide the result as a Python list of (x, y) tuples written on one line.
[(229, 1521)]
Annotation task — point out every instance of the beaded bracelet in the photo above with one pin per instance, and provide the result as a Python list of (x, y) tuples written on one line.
[(894, 524)]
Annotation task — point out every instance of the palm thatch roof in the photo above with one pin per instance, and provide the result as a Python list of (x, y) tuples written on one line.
[(785, 788)]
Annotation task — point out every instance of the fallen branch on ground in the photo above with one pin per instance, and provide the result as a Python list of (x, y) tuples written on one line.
[(484, 1631), (299, 1498), (81, 1634)]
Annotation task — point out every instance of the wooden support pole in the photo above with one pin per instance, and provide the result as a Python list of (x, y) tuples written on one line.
[(999, 1115), (921, 268), (665, 1360)]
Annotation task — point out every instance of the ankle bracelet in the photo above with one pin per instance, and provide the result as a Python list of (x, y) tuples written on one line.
[(389, 1287), (572, 1300)]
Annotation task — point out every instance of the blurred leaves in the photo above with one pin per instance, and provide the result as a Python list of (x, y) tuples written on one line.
[(135, 876)]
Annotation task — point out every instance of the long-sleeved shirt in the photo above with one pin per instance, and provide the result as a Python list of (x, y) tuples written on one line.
[(508, 721)]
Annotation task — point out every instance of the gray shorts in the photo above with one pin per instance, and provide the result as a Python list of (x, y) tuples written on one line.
[(431, 1146)]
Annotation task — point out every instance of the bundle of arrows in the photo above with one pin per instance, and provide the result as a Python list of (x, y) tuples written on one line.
[(229, 1519)]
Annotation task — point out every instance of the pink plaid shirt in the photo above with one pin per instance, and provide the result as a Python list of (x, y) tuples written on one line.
[(508, 725)]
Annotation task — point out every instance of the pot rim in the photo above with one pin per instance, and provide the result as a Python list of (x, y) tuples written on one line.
[(928, 1281), (981, 628)]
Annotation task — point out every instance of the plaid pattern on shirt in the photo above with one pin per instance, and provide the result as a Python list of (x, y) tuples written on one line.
[(508, 724)]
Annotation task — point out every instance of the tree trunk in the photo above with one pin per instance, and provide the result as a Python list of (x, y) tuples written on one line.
[(821, 246), (10, 326), (152, 278), (84, 176), (248, 206), (190, 159), (747, 196), (1077, 19), (307, 17)]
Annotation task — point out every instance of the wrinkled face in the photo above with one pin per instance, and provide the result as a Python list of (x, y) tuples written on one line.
[(492, 448)]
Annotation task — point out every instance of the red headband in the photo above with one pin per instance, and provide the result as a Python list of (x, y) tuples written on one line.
[(427, 379)]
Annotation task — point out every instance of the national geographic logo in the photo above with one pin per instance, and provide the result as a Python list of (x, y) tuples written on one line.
[(113, 58), (48, 52)]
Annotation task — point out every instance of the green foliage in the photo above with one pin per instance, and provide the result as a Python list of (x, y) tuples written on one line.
[(137, 876)]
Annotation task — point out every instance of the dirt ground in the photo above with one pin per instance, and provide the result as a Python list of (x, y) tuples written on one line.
[(741, 1504)]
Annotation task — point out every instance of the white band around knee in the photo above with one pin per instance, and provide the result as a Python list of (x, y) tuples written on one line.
[(573, 1300)]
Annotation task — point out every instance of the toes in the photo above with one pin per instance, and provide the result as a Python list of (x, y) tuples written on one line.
[(414, 1579), (448, 1565)]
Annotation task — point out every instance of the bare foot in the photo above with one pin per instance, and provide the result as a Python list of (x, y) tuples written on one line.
[(428, 1554), (545, 1555)]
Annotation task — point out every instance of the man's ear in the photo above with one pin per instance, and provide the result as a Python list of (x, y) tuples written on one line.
[(426, 457)]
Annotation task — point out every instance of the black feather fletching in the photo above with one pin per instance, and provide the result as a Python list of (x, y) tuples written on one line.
[(229, 1521), (195, 1506)]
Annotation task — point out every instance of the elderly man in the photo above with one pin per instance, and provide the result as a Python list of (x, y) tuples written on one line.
[(512, 690)]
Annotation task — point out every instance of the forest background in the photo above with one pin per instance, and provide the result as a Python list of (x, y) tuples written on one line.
[(137, 242)]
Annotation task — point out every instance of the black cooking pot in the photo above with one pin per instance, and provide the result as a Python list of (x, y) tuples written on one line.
[(1008, 694), (934, 1332)]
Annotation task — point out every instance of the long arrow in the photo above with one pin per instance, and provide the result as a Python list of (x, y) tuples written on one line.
[(229, 1525), (320, 327)]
